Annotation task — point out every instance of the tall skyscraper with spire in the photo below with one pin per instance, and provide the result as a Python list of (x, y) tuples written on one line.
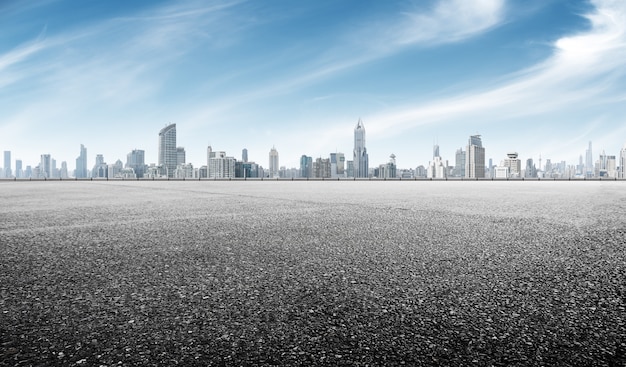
[(273, 163), (361, 164), (167, 150)]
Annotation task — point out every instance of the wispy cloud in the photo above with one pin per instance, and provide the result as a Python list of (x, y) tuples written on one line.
[(584, 70)]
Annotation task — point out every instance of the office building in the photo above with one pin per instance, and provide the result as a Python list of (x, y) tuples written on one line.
[(135, 160), (220, 166), (306, 166), (81, 163), (321, 168), (244, 155), (589, 166), (180, 156), (475, 158), (18, 169), (273, 163), (513, 164), (100, 169), (459, 163), (45, 166), (360, 157), (7, 164), (168, 154), (622, 162)]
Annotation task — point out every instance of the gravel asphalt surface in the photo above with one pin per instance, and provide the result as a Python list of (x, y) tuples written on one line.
[(125, 273)]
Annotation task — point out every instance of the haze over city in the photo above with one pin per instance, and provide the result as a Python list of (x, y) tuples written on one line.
[(542, 78)]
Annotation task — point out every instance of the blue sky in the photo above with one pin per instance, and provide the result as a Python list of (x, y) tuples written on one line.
[(536, 77)]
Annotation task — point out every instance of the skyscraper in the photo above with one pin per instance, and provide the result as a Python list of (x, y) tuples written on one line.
[(622, 162), (361, 164), (273, 163), (589, 167), (244, 155), (514, 164), (220, 166), (81, 163), (180, 156), (475, 158), (7, 164), (45, 166), (167, 149), (18, 168), (306, 166), (136, 161), (459, 163)]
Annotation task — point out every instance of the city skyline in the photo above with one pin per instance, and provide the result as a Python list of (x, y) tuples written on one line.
[(543, 78)]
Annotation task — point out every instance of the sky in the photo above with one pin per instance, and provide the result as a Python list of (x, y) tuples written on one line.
[(539, 77)]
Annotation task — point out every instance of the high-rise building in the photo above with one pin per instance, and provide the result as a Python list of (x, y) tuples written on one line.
[(136, 160), (18, 169), (244, 155), (436, 150), (7, 164), (273, 163), (180, 156), (63, 171), (81, 163), (531, 170), (360, 160), (220, 166), (306, 166), (168, 155), (475, 158), (390, 169), (459, 163), (45, 166), (514, 164), (321, 168), (589, 166), (622, 162), (100, 169)]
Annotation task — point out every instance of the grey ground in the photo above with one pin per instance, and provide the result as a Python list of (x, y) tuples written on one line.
[(313, 273)]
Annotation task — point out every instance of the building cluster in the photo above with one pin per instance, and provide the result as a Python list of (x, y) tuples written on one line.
[(469, 163)]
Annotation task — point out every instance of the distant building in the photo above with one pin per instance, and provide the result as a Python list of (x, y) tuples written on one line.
[(220, 166), (388, 170), (136, 161), (589, 166), (180, 156), (63, 171), (185, 170), (45, 166), (475, 158), (531, 170), (18, 169), (81, 163), (115, 169), (273, 163), (459, 163), (244, 155), (7, 164), (321, 168), (421, 172), (514, 164), (360, 162), (349, 168), (502, 172), (622, 162), (168, 154), (437, 168), (306, 166), (100, 169), (246, 170)]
